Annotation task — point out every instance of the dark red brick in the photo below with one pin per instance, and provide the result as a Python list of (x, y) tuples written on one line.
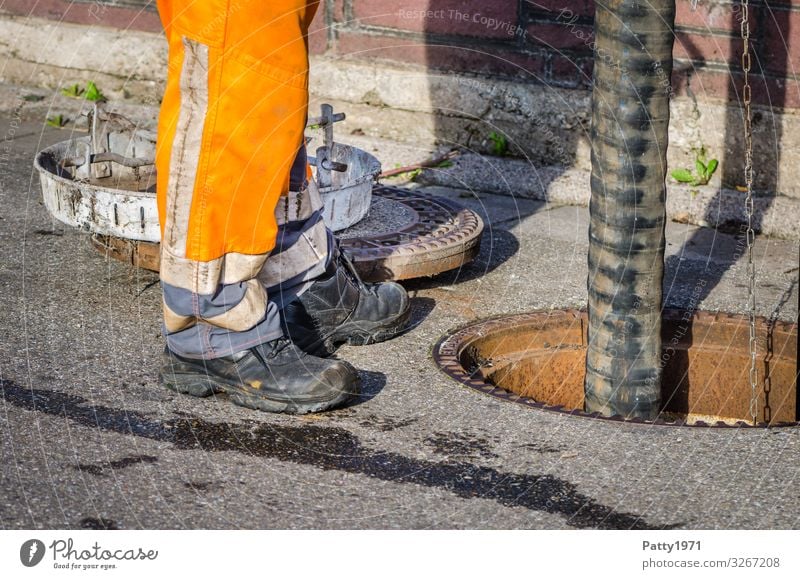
[(703, 84), (586, 71), (338, 10), (766, 91), (708, 16), (707, 48), (575, 72), (497, 19), (565, 71), (361, 45), (318, 31), (781, 40), (560, 7), (441, 57), (776, 93), (91, 14), (560, 36)]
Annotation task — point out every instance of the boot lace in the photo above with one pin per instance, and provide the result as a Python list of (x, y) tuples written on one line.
[(268, 350), (351, 269)]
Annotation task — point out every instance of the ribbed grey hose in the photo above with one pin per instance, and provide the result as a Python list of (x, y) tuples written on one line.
[(630, 118)]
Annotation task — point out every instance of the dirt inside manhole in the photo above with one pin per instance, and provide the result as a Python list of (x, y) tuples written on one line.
[(538, 359)]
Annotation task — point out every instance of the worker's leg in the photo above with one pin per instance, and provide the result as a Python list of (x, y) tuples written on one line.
[(230, 128), (231, 124), (301, 254), (304, 245)]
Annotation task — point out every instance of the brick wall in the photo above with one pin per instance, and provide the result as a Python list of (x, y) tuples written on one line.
[(540, 41), (550, 41), (125, 14)]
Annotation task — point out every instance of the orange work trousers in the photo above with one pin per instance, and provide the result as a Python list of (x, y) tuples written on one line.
[(231, 124)]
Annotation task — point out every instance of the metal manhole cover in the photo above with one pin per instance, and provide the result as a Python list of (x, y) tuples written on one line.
[(410, 235), (538, 360), (385, 216), (442, 236)]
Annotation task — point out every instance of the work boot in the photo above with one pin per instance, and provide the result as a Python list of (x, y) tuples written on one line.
[(339, 307), (273, 377)]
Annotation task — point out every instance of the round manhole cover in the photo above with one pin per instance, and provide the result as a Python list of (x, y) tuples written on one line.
[(406, 235), (538, 360), (385, 217)]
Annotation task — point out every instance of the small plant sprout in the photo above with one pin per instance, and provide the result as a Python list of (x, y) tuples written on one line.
[(703, 171), (90, 93), (74, 91), (56, 121), (93, 93), (499, 144)]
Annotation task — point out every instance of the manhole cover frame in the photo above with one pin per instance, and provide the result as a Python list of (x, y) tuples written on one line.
[(447, 357), (442, 235)]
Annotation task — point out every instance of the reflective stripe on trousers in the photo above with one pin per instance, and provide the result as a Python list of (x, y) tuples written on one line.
[(235, 243)]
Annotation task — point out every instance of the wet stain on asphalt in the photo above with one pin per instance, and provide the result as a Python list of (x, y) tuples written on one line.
[(334, 448), (459, 445), (384, 423), (101, 469), (49, 232), (203, 486), (542, 448), (98, 524)]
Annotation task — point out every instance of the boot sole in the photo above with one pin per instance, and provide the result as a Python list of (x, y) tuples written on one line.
[(203, 386), (361, 334)]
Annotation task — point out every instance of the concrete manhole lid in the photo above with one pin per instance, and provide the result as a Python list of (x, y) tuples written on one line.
[(410, 235), (537, 360)]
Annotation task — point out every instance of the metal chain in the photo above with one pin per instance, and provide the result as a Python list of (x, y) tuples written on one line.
[(748, 206)]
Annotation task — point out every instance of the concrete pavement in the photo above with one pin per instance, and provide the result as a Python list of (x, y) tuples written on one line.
[(90, 440)]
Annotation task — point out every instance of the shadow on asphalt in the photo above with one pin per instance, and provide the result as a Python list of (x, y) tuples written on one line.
[(497, 247), (335, 448)]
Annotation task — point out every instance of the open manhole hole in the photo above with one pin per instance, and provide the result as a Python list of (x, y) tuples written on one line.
[(538, 360)]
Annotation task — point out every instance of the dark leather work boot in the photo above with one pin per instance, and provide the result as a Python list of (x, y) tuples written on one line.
[(273, 377), (339, 307)]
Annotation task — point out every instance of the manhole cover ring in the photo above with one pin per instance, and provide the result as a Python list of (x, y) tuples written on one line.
[(450, 351), (441, 235)]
